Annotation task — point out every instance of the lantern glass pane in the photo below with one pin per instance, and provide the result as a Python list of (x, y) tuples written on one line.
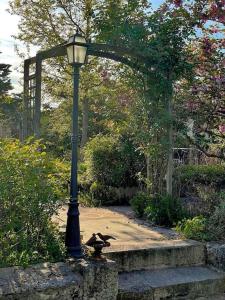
[(71, 39), (70, 54), (79, 54)]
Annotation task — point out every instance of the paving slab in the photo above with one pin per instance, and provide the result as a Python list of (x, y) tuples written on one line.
[(120, 222)]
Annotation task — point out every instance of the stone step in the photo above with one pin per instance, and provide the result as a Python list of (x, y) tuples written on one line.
[(184, 283), (164, 254)]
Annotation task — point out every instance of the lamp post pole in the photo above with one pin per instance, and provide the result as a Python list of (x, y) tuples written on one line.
[(76, 53), (72, 242)]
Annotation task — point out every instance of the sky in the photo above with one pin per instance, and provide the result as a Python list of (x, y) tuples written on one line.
[(8, 28)]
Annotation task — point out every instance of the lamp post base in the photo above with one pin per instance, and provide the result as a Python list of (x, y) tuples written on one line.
[(72, 240), (75, 252)]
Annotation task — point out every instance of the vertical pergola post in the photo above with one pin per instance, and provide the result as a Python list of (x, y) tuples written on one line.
[(37, 102), (169, 174), (25, 99)]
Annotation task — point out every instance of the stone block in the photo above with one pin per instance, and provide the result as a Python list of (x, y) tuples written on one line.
[(216, 254), (43, 281), (163, 255), (77, 280), (100, 279)]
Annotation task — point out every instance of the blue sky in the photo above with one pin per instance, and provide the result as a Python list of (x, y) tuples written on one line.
[(8, 27), (8, 45), (156, 3)]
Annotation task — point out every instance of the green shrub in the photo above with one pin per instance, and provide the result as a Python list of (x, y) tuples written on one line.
[(110, 162), (164, 210), (102, 194), (32, 185), (200, 183), (139, 203), (216, 223), (195, 228), (204, 174), (206, 228)]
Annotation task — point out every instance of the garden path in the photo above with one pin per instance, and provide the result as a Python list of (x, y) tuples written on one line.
[(120, 222)]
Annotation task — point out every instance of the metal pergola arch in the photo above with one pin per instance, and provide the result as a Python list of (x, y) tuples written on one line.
[(32, 82)]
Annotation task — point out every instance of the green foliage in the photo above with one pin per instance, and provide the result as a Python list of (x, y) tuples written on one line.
[(11, 113), (103, 194), (17, 248), (5, 84), (159, 43), (206, 228), (139, 203), (202, 182), (161, 210), (216, 223), (111, 160), (101, 157), (32, 185), (206, 174), (164, 210), (195, 228), (56, 128), (10, 105)]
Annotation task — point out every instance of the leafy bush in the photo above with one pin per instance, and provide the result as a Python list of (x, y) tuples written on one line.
[(102, 194), (205, 174), (205, 228), (109, 162), (200, 184), (139, 203), (216, 223), (195, 228), (31, 187), (164, 210)]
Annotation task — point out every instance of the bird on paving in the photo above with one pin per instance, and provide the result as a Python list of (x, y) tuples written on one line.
[(105, 237)]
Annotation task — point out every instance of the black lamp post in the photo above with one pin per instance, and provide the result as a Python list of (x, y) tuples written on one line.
[(76, 53)]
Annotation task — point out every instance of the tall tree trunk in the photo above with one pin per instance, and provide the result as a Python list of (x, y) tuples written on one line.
[(85, 110)]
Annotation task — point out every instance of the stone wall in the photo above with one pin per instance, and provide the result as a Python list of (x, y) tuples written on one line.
[(74, 280), (216, 255)]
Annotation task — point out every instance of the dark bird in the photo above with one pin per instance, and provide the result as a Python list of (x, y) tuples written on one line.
[(105, 237), (92, 240)]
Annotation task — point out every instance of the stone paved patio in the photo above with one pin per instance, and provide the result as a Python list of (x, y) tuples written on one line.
[(130, 232)]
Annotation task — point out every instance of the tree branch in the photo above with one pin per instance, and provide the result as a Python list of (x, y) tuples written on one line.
[(208, 154), (70, 16)]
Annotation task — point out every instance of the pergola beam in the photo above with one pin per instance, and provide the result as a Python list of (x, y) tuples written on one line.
[(115, 53)]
